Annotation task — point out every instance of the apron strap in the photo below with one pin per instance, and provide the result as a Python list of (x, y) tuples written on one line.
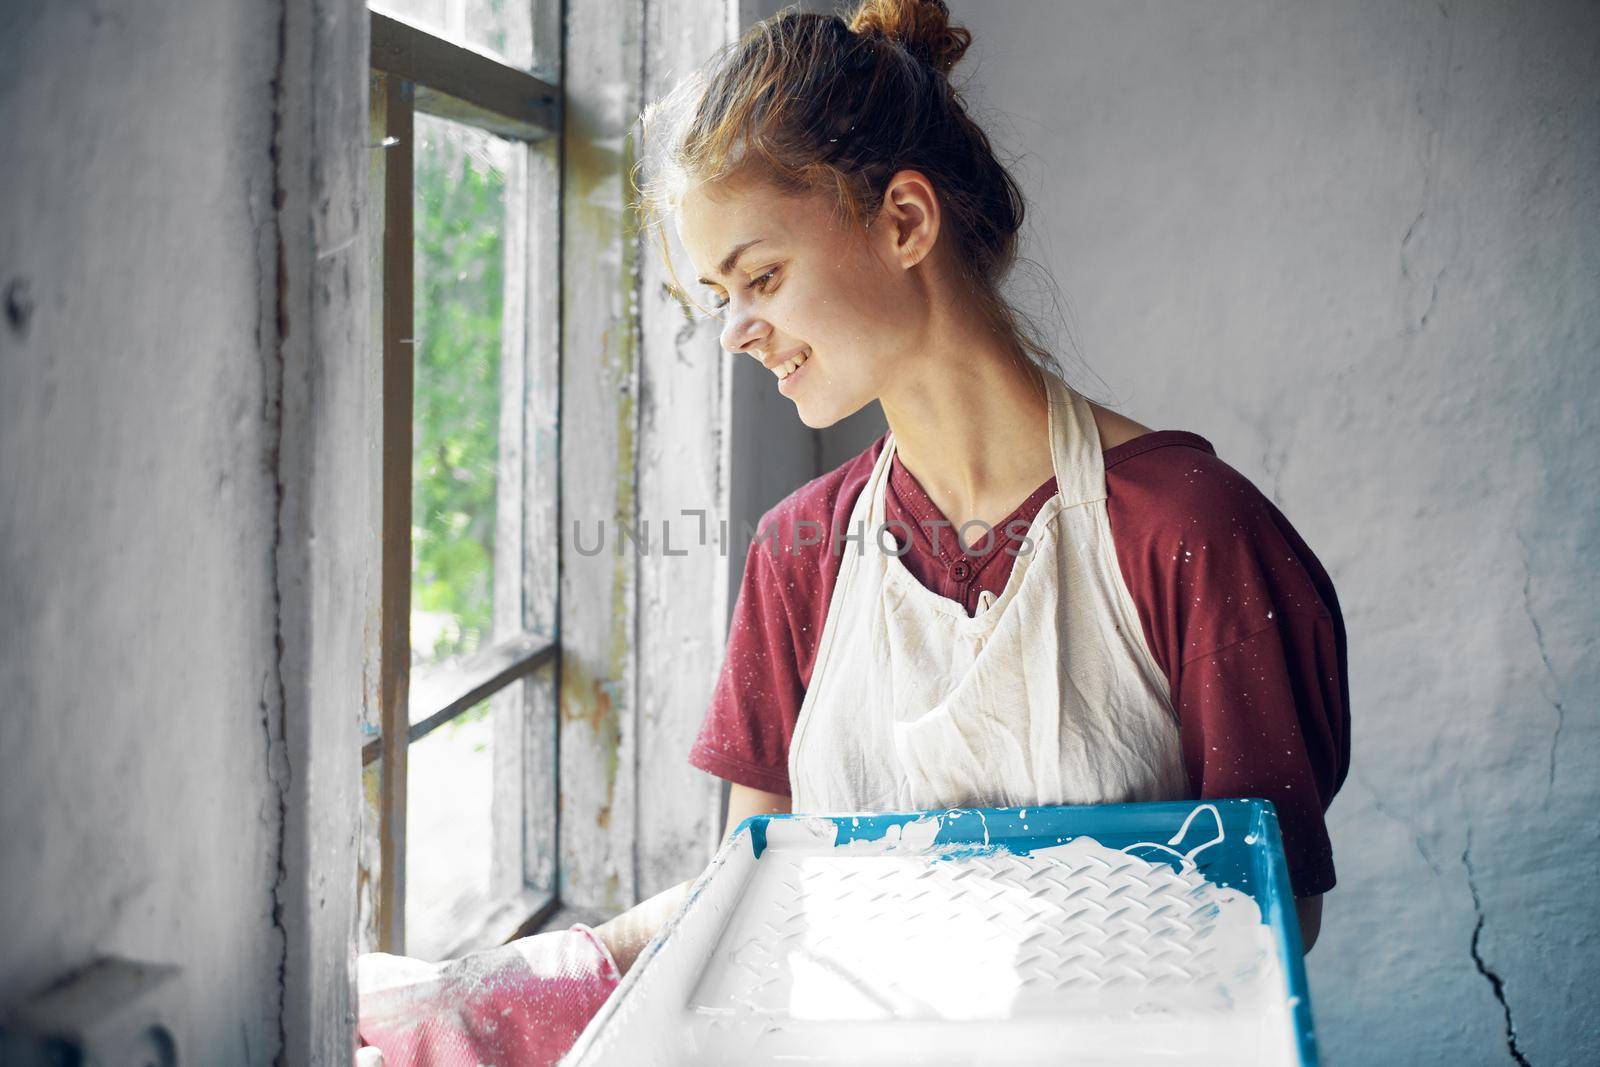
[(1074, 446)]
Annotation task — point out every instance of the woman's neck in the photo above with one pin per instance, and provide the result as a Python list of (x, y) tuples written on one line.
[(971, 424)]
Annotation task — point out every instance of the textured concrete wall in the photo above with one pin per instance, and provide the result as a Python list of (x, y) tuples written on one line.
[(1355, 246), (139, 814), (178, 241)]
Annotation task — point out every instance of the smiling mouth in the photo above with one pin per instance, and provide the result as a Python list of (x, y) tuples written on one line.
[(783, 370)]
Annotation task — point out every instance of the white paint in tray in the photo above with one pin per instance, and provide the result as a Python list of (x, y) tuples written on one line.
[(898, 950)]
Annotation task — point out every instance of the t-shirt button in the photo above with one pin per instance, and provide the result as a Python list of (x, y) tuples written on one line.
[(961, 570)]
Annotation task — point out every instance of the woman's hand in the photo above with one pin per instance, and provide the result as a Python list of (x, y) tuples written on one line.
[(626, 935)]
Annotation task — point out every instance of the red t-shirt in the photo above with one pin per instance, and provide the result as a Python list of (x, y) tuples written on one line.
[(1237, 611)]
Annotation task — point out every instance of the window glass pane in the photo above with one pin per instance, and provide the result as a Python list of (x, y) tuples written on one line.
[(502, 28), (449, 787), (460, 268)]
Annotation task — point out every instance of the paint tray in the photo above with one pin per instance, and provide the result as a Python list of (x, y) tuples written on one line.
[(1114, 934)]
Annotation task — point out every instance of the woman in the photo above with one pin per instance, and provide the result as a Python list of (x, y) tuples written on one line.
[(1067, 607), (1131, 620)]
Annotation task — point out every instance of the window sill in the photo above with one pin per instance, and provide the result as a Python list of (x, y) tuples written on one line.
[(503, 922)]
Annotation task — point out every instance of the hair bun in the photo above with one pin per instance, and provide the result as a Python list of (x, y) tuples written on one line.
[(921, 27)]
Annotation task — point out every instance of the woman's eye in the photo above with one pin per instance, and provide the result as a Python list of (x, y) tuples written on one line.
[(759, 283)]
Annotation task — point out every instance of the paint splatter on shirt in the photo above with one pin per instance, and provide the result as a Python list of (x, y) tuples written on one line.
[(1236, 609)]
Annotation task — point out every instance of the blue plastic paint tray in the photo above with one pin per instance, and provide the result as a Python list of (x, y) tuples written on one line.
[(1116, 934)]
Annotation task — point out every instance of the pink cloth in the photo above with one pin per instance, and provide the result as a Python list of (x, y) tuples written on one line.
[(524, 1003)]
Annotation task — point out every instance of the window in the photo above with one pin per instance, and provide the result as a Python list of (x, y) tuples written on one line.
[(460, 776)]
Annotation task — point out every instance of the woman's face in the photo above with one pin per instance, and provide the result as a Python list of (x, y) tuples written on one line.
[(804, 282)]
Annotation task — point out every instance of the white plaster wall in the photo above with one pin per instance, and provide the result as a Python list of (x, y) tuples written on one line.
[(1357, 246), (137, 504), (161, 573)]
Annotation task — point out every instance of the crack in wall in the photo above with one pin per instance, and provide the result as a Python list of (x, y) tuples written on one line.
[(1497, 984), (1430, 102), (273, 719), (1395, 817), (1433, 299), (1405, 264), (1544, 658), (1274, 452)]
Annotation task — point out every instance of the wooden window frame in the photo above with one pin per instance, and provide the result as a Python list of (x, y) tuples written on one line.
[(413, 70)]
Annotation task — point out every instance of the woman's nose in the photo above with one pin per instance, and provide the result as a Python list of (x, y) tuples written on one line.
[(743, 332)]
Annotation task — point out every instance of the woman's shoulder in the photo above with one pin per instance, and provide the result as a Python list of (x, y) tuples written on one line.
[(1186, 522), (789, 561), (1178, 469), (1115, 428), (802, 524), (1173, 471)]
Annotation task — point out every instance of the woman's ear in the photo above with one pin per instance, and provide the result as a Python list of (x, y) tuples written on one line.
[(910, 215)]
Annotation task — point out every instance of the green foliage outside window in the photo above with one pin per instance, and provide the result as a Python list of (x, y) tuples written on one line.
[(460, 215)]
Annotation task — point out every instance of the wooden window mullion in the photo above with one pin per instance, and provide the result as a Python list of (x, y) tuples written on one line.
[(398, 386), (412, 71)]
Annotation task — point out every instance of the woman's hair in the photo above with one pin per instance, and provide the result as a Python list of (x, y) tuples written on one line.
[(807, 102)]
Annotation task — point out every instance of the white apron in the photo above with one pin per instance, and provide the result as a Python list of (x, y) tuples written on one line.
[(1048, 695)]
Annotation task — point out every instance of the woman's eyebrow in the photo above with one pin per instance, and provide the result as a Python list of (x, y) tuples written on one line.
[(731, 260)]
